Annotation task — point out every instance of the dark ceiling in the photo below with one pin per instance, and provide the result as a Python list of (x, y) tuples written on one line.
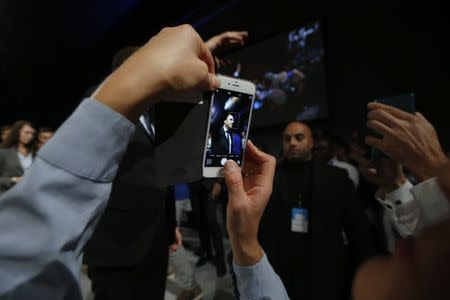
[(53, 51)]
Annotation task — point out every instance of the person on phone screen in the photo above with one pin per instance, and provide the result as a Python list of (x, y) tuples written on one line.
[(222, 141)]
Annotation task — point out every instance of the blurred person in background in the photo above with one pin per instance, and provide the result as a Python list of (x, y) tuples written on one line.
[(42, 136), (334, 151), (5, 131), (16, 155), (314, 229)]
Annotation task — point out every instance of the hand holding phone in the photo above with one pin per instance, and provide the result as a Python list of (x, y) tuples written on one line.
[(229, 122), (404, 102), (408, 139)]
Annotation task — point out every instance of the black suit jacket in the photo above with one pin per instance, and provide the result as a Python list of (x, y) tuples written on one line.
[(335, 208), (219, 142), (137, 212)]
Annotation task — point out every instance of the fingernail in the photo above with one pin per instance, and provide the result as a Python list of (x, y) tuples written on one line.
[(231, 166)]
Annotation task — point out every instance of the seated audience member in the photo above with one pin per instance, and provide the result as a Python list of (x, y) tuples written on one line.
[(47, 218), (16, 156)]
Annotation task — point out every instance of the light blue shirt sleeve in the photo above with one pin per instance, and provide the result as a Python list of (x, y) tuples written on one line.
[(433, 203), (49, 215), (259, 282)]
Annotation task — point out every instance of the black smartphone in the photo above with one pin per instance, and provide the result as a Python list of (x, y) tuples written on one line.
[(405, 102)]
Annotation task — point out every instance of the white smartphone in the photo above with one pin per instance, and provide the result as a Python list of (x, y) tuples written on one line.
[(229, 123)]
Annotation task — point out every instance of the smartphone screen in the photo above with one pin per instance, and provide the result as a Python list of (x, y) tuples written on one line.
[(405, 102), (228, 127)]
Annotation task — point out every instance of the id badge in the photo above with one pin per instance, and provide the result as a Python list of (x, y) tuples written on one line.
[(299, 221)]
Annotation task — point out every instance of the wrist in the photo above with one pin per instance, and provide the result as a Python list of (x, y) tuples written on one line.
[(429, 169), (123, 94), (246, 252), (392, 186)]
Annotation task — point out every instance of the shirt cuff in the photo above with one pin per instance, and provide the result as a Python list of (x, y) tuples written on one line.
[(433, 203), (254, 281), (90, 143), (396, 198)]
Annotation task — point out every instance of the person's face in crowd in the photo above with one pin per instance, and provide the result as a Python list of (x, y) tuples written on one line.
[(5, 134), (229, 121), (43, 138), (419, 269), (297, 142), (26, 135), (322, 149)]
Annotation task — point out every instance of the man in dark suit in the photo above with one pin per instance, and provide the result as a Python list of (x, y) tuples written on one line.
[(127, 255), (314, 230), (222, 141)]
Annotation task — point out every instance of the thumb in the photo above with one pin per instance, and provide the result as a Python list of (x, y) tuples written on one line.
[(233, 178), (213, 82), (210, 83)]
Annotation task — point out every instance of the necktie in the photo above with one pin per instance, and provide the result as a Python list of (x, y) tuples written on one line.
[(149, 123), (229, 141)]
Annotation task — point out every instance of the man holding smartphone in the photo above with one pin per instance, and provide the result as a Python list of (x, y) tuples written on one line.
[(127, 255), (48, 217)]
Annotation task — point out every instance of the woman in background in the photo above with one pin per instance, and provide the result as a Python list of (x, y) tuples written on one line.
[(16, 155)]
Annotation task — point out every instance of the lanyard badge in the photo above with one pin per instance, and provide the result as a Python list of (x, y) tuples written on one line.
[(299, 220)]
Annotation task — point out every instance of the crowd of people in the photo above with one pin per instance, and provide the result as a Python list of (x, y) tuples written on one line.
[(309, 224)]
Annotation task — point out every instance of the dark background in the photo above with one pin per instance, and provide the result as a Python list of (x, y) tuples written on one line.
[(53, 51)]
